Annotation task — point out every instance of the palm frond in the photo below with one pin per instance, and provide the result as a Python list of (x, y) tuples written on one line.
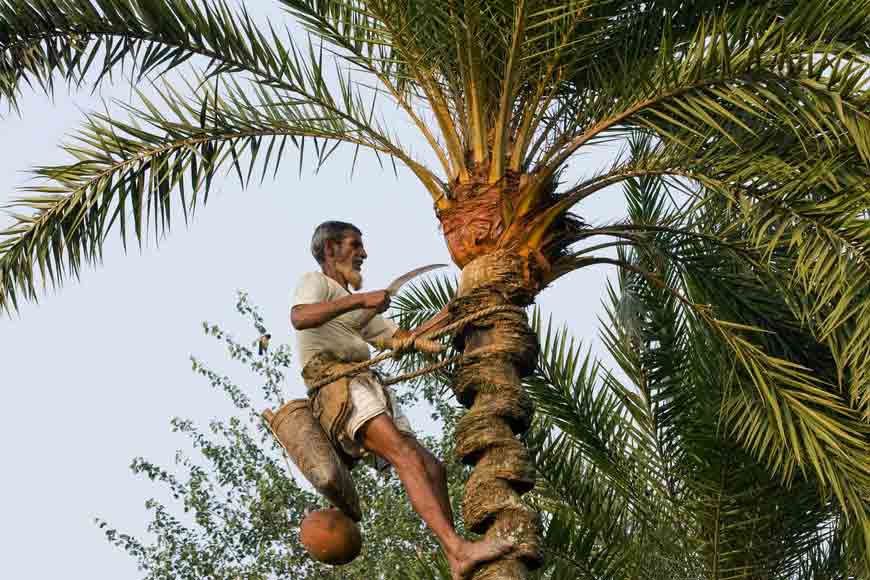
[(72, 38), (422, 300), (127, 173), (566, 388), (362, 39), (743, 66), (602, 481), (804, 223)]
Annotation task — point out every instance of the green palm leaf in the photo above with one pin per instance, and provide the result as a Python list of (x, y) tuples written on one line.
[(799, 428), (72, 38)]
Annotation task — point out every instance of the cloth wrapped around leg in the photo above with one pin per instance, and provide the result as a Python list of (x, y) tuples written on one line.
[(330, 403)]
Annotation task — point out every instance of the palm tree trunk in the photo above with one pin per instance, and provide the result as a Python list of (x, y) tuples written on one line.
[(499, 351)]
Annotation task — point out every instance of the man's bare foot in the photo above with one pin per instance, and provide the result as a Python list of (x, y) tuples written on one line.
[(469, 555)]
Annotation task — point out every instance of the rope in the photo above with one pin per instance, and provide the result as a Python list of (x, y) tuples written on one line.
[(402, 346), (423, 371), (441, 364)]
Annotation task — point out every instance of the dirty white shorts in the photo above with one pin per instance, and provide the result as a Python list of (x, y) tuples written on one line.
[(369, 398)]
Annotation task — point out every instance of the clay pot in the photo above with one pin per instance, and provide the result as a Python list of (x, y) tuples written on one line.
[(330, 536)]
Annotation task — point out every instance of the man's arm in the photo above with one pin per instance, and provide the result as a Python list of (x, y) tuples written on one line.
[(304, 316)]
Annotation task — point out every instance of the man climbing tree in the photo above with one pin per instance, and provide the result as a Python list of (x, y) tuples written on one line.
[(757, 112), (361, 415)]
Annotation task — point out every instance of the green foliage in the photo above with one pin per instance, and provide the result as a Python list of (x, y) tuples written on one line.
[(758, 111), (761, 463), (645, 472), (416, 304)]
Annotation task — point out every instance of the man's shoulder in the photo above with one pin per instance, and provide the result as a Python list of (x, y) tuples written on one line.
[(316, 287), (311, 287), (312, 276)]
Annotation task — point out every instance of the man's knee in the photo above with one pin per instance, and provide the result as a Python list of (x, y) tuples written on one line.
[(380, 436)]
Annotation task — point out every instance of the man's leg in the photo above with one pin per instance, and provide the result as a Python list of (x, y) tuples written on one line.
[(437, 477), (381, 437)]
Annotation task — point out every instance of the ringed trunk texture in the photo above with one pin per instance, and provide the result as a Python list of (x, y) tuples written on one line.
[(499, 350)]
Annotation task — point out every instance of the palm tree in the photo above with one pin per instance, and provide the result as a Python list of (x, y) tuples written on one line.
[(758, 112), (665, 491)]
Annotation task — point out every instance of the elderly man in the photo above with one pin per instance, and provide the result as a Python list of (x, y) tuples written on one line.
[(334, 327)]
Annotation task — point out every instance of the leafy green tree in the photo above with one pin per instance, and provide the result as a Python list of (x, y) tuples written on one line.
[(758, 111), (232, 508)]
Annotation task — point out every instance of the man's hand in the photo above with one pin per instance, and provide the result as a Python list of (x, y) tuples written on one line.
[(377, 300)]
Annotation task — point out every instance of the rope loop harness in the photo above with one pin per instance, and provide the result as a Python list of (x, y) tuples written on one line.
[(424, 343)]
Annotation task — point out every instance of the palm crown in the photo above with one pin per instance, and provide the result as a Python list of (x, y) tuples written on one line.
[(755, 113)]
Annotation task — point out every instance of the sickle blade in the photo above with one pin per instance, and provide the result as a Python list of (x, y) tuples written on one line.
[(393, 288)]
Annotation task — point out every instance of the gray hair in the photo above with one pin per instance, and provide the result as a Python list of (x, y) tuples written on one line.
[(331, 231)]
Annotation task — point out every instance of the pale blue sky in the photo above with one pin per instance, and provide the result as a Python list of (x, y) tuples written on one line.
[(93, 373)]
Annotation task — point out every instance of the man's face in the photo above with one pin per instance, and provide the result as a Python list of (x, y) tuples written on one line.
[(348, 257)]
